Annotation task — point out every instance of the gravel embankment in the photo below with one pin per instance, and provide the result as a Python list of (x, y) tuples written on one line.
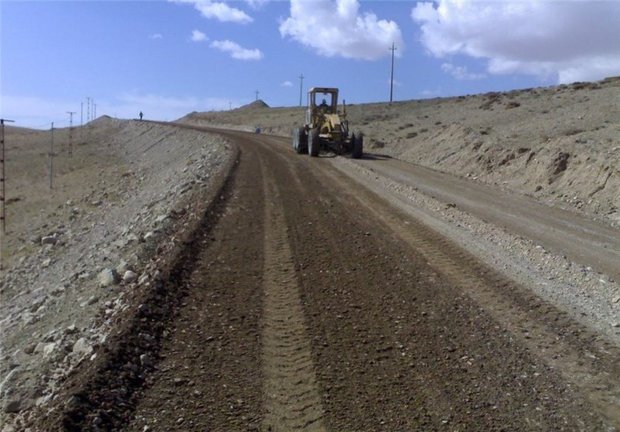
[(75, 267)]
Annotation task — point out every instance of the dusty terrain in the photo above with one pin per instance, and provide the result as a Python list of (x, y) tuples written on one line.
[(114, 208), (558, 144), (182, 279)]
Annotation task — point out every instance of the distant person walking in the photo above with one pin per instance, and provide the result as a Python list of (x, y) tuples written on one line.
[(141, 115)]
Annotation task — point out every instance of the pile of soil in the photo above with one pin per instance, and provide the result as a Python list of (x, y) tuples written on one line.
[(257, 104)]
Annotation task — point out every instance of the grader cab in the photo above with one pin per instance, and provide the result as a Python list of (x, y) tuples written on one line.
[(325, 127)]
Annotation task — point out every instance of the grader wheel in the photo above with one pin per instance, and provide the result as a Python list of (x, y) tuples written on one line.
[(313, 142), (357, 144), (300, 140)]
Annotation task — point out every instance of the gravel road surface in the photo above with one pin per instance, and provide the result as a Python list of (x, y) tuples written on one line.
[(307, 302), (581, 238)]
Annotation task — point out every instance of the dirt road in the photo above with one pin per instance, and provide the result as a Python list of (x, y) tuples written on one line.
[(312, 304), (582, 239)]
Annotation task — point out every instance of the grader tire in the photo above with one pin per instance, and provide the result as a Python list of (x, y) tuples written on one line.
[(357, 142), (313, 142), (300, 143)]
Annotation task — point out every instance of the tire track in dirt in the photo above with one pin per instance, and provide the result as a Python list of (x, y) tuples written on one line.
[(209, 375), (397, 345), (292, 400), (102, 394), (591, 363), (584, 366), (580, 238)]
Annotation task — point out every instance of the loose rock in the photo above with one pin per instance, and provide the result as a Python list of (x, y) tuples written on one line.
[(146, 360), (107, 277), (13, 406), (81, 347), (129, 276), (50, 240)]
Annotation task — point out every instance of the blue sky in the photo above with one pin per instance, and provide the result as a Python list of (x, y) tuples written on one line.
[(168, 58)]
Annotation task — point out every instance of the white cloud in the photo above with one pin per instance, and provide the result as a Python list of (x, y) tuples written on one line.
[(257, 4), (155, 36), (565, 40), (218, 10), (461, 72), (236, 51), (336, 28), (198, 36), (287, 84)]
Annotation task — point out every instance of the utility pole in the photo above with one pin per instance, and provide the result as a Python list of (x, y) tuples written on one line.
[(52, 156), (70, 132), (392, 73), (3, 181), (89, 116), (94, 111), (3, 186), (301, 85), (82, 122), (257, 92)]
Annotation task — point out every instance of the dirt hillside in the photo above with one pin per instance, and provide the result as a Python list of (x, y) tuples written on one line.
[(75, 253), (559, 144)]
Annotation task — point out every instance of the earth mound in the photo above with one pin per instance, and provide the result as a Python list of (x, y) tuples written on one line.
[(257, 104), (104, 120)]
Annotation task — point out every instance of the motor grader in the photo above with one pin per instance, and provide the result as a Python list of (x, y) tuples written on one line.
[(326, 128)]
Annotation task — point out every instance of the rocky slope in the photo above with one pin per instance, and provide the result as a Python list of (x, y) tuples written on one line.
[(74, 254)]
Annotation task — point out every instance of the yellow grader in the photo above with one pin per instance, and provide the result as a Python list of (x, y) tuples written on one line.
[(326, 128)]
